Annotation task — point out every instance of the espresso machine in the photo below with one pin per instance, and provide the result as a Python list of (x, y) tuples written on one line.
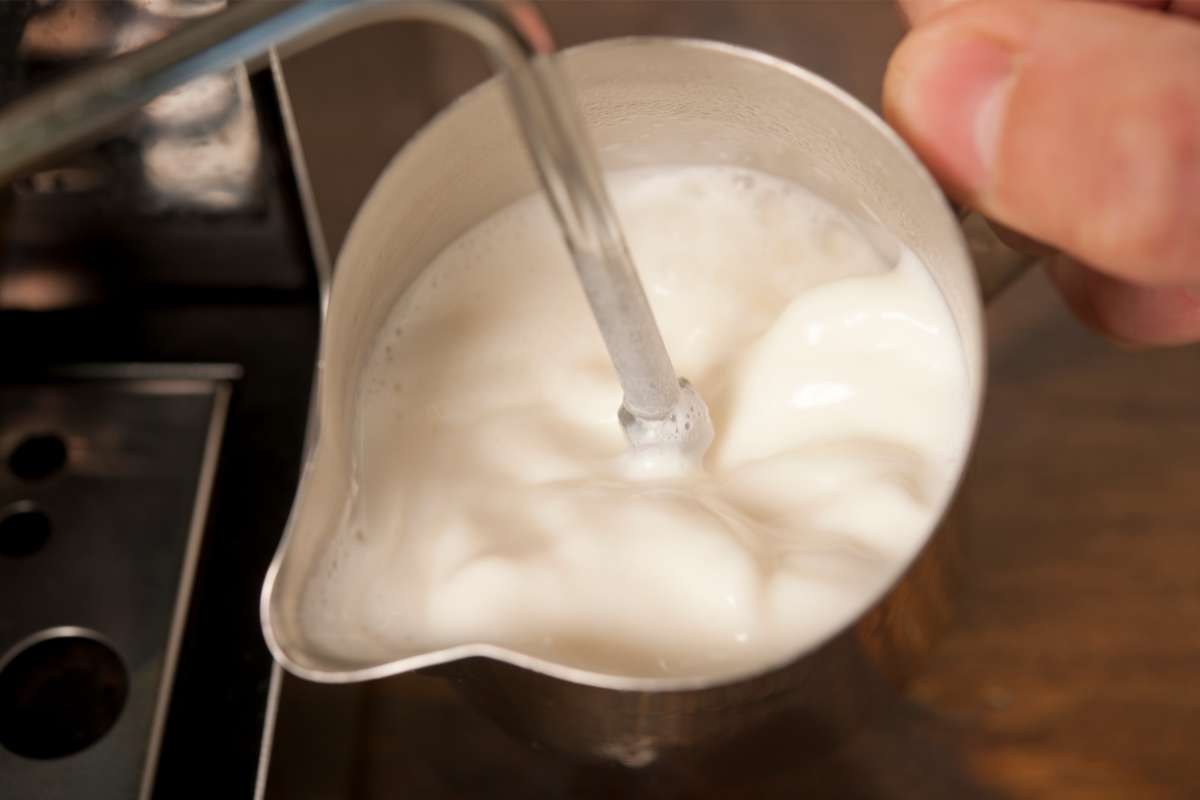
[(159, 309)]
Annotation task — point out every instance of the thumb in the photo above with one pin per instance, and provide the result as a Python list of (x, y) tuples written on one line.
[(1077, 124)]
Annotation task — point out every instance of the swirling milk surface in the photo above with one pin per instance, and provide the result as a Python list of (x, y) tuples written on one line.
[(495, 502)]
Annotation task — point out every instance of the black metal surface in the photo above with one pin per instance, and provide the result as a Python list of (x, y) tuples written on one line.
[(214, 730), (191, 289), (124, 509)]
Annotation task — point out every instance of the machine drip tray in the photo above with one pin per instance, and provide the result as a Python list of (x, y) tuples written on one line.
[(104, 487)]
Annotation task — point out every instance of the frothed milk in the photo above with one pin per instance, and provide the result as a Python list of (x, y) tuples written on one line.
[(495, 500)]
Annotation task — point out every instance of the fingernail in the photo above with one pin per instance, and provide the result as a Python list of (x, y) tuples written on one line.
[(952, 104)]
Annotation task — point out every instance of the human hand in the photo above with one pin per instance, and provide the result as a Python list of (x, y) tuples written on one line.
[(1076, 124)]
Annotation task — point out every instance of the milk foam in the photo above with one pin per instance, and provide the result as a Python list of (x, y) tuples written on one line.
[(494, 502)]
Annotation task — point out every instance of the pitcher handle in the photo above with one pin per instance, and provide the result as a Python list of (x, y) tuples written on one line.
[(997, 265)]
